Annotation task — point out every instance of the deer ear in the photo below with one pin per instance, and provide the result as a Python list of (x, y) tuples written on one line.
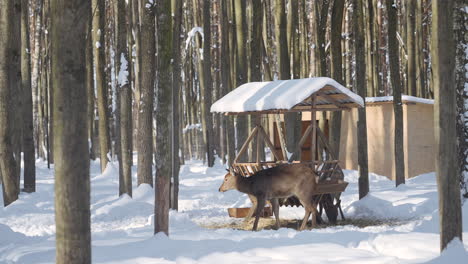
[(227, 170)]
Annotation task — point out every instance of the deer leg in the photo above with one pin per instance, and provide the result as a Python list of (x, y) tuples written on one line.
[(314, 215), (341, 210), (260, 206), (275, 207), (252, 209), (306, 218)]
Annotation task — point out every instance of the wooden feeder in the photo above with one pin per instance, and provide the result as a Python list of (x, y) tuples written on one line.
[(286, 96)]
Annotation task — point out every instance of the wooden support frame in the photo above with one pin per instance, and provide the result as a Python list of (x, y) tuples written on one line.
[(258, 131), (279, 128)]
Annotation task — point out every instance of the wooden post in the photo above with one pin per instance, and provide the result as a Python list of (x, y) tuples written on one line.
[(313, 124)]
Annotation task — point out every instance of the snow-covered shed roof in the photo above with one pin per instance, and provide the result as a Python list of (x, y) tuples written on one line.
[(404, 99), (288, 96)]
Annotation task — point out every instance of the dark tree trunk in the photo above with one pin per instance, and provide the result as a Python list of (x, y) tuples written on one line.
[(241, 69), (163, 155), (226, 80), (176, 6), (125, 93), (8, 162), (28, 126), (396, 87), (207, 87), (336, 69), (72, 182), (358, 27), (443, 69), (461, 78)]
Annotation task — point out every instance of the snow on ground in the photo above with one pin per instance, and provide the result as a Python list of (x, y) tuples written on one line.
[(122, 228)]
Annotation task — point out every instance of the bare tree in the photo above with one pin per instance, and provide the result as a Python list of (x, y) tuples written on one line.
[(8, 161), (69, 27), (125, 93), (358, 28), (396, 87), (99, 65), (336, 68), (207, 87), (28, 126), (145, 110), (443, 69), (176, 7), (163, 155)]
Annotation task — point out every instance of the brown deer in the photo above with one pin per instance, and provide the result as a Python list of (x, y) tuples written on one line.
[(281, 181)]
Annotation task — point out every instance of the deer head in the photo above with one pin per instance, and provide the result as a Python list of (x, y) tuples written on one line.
[(230, 181)]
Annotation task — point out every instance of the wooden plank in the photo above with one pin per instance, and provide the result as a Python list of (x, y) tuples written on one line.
[(297, 109), (331, 99), (246, 143)]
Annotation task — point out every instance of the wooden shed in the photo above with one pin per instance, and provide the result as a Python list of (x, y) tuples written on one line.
[(419, 144)]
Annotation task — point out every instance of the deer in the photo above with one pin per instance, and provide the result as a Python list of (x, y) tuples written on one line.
[(281, 181)]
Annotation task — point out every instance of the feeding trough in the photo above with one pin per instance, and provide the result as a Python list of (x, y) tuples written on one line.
[(280, 97)]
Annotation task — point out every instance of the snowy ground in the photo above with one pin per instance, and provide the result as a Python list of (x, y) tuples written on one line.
[(122, 230)]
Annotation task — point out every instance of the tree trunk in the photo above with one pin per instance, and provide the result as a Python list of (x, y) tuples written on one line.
[(410, 46), (145, 111), (125, 93), (358, 26), (226, 80), (8, 161), (241, 69), (461, 78), (176, 6), (396, 87), (90, 92), (28, 126), (99, 65), (72, 182), (443, 69), (291, 120), (336, 70), (163, 153), (207, 87)]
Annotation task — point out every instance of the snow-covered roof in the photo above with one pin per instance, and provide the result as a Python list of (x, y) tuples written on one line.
[(404, 99), (287, 95)]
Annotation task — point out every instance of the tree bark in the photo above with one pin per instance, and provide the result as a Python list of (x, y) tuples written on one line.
[(461, 78), (72, 181), (411, 46), (8, 161), (99, 65), (176, 6), (125, 177), (336, 70), (396, 87), (241, 68), (443, 68), (145, 111), (207, 87), (28, 126), (358, 27), (163, 153), (226, 80)]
